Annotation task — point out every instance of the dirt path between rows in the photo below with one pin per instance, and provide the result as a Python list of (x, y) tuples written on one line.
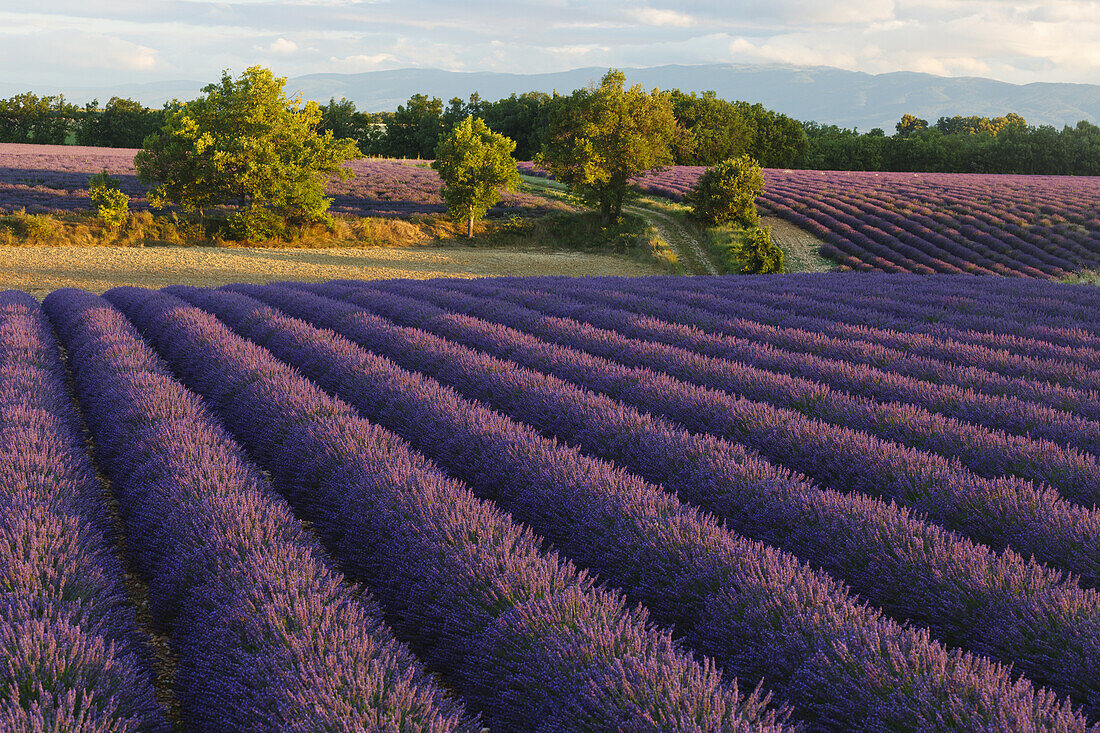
[(689, 251), (801, 249), (39, 270)]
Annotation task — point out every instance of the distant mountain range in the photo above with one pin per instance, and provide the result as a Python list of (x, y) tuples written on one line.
[(824, 94)]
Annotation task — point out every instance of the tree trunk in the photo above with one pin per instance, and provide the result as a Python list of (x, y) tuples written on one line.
[(470, 231)]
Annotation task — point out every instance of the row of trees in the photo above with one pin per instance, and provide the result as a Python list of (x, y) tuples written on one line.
[(957, 145), (708, 130), (248, 150), (121, 123)]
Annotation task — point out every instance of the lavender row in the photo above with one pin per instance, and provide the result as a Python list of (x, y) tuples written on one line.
[(523, 636), (741, 602), (653, 320), (919, 356), (267, 637), (851, 317), (1064, 304), (788, 334), (1047, 627), (73, 658), (971, 311), (998, 512), (987, 453), (1010, 225)]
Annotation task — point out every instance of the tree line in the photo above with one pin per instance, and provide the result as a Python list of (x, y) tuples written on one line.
[(957, 145), (708, 130)]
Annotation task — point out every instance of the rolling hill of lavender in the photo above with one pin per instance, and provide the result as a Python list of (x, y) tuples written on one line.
[(1022, 226), (54, 179), (836, 502)]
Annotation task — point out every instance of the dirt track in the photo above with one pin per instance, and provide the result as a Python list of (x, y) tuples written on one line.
[(39, 270)]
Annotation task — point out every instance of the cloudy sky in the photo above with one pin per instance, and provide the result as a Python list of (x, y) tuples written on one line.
[(54, 45)]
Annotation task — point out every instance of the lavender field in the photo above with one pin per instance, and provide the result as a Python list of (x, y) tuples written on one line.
[(1023, 226), (55, 178), (839, 502)]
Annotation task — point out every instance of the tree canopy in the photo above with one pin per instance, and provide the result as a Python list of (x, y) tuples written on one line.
[(475, 163), (597, 139), (245, 144), (727, 192)]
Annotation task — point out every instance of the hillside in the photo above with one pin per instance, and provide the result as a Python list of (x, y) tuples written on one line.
[(824, 94)]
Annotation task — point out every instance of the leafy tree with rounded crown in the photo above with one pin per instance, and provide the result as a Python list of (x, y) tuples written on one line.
[(758, 254), (727, 192), (245, 144), (598, 138), (475, 163)]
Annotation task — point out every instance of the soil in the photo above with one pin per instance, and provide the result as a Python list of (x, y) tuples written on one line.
[(801, 249), (39, 270)]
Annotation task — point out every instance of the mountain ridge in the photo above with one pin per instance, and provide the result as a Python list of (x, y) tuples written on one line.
[(824, 94)]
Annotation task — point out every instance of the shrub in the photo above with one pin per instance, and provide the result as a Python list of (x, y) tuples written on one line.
[(726, 193), (758, 254), (37, 227), (112, 206)]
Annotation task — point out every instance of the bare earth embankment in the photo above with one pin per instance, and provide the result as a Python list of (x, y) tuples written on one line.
[(39, 270)]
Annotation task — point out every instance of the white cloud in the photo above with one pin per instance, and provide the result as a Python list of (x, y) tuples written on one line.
[(657, 17), (78, 41), (282, 47), (362, 62)]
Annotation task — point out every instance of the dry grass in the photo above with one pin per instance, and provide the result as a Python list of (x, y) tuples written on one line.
[(40, 269)]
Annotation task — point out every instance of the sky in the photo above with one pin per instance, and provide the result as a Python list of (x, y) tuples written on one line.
[(54, 45)]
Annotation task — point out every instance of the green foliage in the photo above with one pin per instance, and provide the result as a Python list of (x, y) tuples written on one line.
[(112, 206), (726, 193), (415, 128), (37, 227), (123, 123), (474, 163), (597, 139), (344, 121), (909, 125), (757, 253), (245, 144), (960, 145), (28, 118)]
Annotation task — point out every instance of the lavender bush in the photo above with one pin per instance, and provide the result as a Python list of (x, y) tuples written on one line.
[(268, 638), (608, 521), (524, 636), (72, 656), (855, 537)]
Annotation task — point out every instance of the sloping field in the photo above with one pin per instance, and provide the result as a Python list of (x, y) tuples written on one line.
[(447, 504), (54, 179), (1031, 226)]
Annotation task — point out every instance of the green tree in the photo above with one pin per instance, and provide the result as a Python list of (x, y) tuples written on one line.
[(597, 139), (245, 144), (520, 117), (909, 125), (475, 163), (344, 121), (414, 129), (123, 123), (28, 118), (727, 192), (758, 254)]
